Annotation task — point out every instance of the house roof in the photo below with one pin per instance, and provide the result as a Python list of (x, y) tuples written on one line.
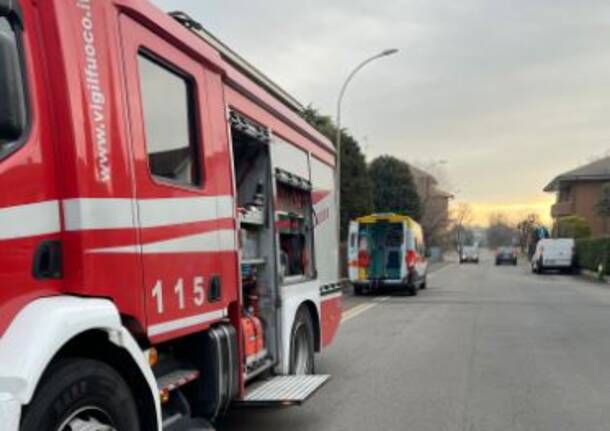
[(426, 179), (598, 170), (443, 194), (421, 174)]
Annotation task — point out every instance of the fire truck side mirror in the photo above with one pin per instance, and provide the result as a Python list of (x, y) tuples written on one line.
[(12, 10), (12, 103)]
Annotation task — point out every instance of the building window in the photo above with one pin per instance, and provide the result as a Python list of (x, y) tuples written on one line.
[(564, 194), (169, 117)]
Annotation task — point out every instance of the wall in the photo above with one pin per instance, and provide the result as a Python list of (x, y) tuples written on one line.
[(584, 197)]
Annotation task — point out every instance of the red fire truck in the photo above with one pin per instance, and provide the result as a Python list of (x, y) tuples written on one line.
[(167, 224)]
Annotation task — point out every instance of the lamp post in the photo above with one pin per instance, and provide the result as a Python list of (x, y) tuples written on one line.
[(349, 78)]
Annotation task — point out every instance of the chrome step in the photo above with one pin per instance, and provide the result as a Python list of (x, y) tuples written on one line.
[(175, 379), (282, 390)]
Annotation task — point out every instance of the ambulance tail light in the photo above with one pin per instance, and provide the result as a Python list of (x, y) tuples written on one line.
[(363, 259), (411, 258)]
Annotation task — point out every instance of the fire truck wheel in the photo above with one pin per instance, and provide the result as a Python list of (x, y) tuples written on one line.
[(302, 344), (81, 394)]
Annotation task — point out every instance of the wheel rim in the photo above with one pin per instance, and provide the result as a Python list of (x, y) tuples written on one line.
[(88, 418), (301, 351)]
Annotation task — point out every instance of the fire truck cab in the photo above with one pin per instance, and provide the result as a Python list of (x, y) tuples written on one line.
[(168, 236)]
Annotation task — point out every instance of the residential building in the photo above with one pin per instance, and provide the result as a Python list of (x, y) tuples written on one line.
[(578, 192), (435, 206)]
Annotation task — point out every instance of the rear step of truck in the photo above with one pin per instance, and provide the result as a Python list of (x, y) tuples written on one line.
[(175, 379), (176, 410), (282, 391)]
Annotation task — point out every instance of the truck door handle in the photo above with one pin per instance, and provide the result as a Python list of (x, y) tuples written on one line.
[(215, 289), (47, 262)]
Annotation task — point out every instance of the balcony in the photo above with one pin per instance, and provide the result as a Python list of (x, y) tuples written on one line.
[(561, 209)]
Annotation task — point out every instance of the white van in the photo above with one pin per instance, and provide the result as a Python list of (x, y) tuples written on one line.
[(469, 253), (554, 254), (386, 250)]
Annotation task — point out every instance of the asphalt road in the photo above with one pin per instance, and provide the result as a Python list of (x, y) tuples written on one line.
[(483, 348)]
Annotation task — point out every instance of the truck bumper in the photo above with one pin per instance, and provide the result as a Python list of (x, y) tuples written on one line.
[(10, 412)]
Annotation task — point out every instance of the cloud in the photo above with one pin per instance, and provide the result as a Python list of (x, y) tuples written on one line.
[(509, 92)]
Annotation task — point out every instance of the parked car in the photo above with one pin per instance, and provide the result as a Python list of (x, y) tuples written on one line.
[(506, 255), (554, 254), (386, 250), (469, 253)]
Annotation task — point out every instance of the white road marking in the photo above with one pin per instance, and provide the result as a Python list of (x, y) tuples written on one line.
[(433, 274), (359, 309)]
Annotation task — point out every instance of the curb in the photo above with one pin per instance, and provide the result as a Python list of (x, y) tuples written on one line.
[(592, 276)]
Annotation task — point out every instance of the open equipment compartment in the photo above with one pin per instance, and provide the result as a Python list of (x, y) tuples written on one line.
[(295, 221), (254, 188)]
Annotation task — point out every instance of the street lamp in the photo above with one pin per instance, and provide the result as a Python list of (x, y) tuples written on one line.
[(385, 53)]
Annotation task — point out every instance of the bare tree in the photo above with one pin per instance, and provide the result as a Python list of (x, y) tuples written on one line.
[(461, 217), (500, 231), (525, 228)]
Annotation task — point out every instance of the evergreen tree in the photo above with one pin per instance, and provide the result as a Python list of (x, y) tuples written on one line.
[(356, 185), (394, 189)]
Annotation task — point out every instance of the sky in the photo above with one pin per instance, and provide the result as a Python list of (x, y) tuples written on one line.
[(498, 96)]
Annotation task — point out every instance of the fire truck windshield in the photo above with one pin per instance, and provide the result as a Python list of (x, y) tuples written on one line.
[(12, 104)]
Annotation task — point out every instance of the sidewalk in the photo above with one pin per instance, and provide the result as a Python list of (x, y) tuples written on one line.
[(592, 276)]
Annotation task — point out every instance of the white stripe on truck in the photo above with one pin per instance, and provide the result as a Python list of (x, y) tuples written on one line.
[(41, 218)]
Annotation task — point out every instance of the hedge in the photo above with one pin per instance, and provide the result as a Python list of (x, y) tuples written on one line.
[(572, 227), (590, 252)]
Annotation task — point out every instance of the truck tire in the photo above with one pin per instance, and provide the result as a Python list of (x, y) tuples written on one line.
[(81, 393), (412, 289), (358, 290), (302, 359)]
